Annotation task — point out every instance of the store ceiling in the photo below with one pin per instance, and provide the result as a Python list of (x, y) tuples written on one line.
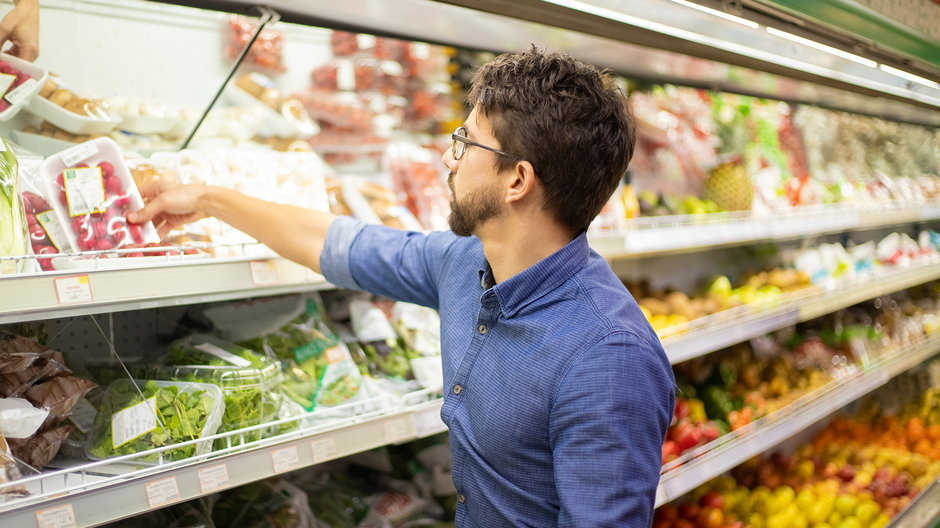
[(663, 40)]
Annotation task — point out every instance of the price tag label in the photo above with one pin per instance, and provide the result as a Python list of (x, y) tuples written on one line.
[(213, 478), (78, 153), (58, 517), (21, 92), (6, 80), (73, 290), (133, 422), (285, 459), (263, 272), (162, 492), (84, 191), (53, 228), (323, 449), (428, 422), (395, 430)]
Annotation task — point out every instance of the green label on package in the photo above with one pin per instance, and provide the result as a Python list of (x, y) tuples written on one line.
[(314, 349)]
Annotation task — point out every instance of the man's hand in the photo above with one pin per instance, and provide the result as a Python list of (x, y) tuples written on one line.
[(170, 206), (293, 232), (21, 27)]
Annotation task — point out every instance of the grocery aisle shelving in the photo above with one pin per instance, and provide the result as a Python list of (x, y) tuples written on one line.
[(712, 460), (722, 329), (109, 490), (81, 292), (663, 235)]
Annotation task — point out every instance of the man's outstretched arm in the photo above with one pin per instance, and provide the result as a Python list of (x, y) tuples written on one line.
[(293, 232)]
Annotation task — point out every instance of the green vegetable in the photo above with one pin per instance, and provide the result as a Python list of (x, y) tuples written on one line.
[(317, 366), (13, 238), (181, 416), (251, 393)]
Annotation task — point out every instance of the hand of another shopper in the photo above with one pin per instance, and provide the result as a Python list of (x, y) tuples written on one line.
[(170, 206), (21, 27)]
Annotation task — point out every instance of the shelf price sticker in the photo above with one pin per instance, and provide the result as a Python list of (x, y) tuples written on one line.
[(285, 459), (213, 478), (162, 492), (323, 449), (73, 290), (263, 272), (133, 422), (395, 430), (58, 517), (428, 422)]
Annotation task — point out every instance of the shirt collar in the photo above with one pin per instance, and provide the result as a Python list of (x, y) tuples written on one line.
[(547, 274)]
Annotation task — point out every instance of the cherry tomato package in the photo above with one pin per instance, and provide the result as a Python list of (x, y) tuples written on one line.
[(92, 191)]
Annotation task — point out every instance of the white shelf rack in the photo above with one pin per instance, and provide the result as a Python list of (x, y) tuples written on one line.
[(99, 492), (722, 329), (661, 235), (42, 295)]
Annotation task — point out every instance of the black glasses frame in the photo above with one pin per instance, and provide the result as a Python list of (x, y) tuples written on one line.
[(458, 150)]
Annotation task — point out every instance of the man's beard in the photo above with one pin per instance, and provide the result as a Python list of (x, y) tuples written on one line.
[(476, 207)]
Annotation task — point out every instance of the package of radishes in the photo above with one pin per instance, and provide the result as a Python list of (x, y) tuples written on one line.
[(92, 191), (46, 235)]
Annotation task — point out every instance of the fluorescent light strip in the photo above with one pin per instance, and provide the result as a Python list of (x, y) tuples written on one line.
[(822, 47), (743, 21), (909, 76)]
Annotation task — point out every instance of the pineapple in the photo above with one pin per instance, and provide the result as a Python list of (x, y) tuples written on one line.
[(729, 186)]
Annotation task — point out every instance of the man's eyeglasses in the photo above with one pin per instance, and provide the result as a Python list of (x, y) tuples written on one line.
[(460, 141)]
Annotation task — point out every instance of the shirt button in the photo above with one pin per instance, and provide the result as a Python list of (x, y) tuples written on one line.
[(482, 329), (461, 499), (458, 389)]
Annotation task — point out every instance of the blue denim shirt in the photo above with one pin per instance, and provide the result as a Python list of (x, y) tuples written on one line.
[(557, 391)]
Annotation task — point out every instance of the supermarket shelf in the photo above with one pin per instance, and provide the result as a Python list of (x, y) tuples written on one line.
[(723, 329), (651, 236), (924, 511), (71, 293), (712, 460), (100, 492)]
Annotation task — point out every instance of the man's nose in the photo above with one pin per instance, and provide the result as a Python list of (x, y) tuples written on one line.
[(448, 159)]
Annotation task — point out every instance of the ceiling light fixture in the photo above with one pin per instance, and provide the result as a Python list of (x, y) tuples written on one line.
[(909, 76)]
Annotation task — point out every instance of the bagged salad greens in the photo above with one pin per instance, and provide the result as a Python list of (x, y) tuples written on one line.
[(142, 415), (385, 351), (319, 371), (250, 382)]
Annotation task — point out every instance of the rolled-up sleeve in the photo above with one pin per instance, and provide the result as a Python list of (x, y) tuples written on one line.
[(608, 421), (400, 265)]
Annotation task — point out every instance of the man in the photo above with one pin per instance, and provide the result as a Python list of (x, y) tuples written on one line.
[(557, 392)]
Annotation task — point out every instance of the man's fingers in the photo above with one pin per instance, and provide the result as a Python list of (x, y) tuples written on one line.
[(28, 52), (152, 208)]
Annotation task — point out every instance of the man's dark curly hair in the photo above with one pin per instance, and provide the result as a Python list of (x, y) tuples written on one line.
[(567, 119)]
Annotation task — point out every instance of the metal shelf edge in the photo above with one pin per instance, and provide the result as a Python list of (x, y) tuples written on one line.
[(110, 502)]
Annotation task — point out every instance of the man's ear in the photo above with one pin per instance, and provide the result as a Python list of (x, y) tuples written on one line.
[(522, 181)]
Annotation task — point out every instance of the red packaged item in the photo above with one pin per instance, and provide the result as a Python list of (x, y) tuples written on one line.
[(267, 50), (92, 192), (46, 235), (418, 174)]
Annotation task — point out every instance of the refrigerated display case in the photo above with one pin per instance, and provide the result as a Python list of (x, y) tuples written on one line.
[(352, 121)]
